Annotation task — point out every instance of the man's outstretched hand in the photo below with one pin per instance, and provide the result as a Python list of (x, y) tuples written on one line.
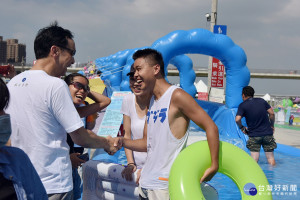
[(114, 145)]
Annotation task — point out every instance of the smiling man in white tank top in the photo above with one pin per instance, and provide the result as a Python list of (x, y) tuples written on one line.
[(170, 111)]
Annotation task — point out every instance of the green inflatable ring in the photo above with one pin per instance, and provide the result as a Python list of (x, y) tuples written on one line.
[(191, 163)]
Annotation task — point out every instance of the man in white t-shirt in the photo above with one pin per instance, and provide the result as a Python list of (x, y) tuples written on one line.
[(165, 132), (42, 111)]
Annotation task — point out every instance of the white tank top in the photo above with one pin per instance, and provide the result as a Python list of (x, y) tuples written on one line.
[(162, 146)]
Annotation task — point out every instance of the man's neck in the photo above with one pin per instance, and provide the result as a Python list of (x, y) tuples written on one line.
[(143, 100), (246, 98), (161, 86), (45, 65)]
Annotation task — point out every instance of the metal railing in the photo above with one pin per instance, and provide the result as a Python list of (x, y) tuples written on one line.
[(24, 68), (204, 73), (199, 73)]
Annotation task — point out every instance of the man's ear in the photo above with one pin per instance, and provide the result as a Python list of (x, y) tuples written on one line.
[(243, 97), (156, 69), (54, 51)]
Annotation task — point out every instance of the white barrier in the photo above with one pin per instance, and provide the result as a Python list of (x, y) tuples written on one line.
[(104, 181)]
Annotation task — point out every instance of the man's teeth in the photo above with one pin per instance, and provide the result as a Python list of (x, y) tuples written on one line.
[(139, 81)]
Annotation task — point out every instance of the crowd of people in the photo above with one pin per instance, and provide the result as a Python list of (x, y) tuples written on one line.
[(48, 124)]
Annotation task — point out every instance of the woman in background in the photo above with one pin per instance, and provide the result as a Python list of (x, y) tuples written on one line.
[(134, 109), (79, 90)]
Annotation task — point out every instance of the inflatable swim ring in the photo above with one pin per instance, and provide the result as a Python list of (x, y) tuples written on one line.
[(191, 163)]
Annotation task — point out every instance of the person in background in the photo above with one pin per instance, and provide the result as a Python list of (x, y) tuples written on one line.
[(134, 109), (98, 73), (260, 124), (167, 121), (79, 90), (291, 120), (42, 112), (10, 73), (18, 178)]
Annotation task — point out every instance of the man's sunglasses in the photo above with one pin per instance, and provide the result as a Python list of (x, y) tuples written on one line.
[(71, 51), (80, 86)]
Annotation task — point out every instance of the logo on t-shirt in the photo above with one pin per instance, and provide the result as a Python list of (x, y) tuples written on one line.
[(21, 84), (161, 114)]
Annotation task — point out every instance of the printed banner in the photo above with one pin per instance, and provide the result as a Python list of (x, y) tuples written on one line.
[(203, 96), (112, 118), (217, 73)]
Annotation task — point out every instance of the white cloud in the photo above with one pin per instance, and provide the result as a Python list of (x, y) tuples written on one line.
[(291, 9)]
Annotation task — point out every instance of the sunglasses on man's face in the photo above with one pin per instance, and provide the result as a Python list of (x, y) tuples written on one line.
[(80, 86), (71, 51)]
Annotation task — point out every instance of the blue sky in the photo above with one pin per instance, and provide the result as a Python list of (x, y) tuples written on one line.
[(267, 30)]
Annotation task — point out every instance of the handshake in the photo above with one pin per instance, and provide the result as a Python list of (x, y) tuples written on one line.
[(113, 144)]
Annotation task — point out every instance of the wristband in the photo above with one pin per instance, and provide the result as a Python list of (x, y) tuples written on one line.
[(131, 164)]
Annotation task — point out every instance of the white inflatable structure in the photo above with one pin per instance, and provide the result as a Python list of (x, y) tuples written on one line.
[(104, 181)]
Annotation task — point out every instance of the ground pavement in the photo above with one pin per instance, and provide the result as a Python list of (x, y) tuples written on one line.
[(287, 135)]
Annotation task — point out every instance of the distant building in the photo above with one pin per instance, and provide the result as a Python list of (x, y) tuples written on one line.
[(11, 51), (2, 51), (16, 53)]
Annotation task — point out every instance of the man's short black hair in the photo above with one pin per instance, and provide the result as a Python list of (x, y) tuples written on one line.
[(4, 95), (152, 57), (49, 36), (248, 91)]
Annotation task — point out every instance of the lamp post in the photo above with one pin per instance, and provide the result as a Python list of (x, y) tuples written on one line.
[(213, 21)]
